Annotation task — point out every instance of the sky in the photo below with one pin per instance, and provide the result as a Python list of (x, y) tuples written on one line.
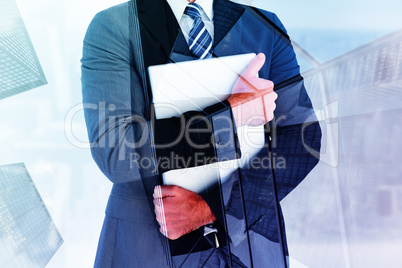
[(340, 14), (45, 129)]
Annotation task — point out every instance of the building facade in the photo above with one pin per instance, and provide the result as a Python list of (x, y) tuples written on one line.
[(20, 69), (28, 235)]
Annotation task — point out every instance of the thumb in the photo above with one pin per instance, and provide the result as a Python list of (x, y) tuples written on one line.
[(255, 66)]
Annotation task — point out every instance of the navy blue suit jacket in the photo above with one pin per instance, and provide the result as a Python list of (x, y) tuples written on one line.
[(114, 104)]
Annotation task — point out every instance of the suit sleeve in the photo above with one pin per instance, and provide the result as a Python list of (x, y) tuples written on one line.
[(113, 119), (295, 131)]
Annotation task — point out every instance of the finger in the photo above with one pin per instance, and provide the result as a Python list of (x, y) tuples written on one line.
[(159, 208), (158, 205), (259, 86), (266, 86), (164, 191), (270, 105), (255, 66), (170, 190), (157, 192), (270, 98), (160, 219), (163, 231), (160, 215)]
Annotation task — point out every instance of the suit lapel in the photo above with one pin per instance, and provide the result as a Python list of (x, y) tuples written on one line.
[(180, 51), (159, 20), (226, 14)]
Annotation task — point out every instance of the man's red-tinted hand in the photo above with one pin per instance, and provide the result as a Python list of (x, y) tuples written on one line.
[(180, 211), (253, 98)]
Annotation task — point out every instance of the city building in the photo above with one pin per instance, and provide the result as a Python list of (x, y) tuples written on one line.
[(28, 235), (20, 69), (347, 212), (364, 80)]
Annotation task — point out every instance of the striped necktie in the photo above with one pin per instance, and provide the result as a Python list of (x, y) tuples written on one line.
[(200, 41)]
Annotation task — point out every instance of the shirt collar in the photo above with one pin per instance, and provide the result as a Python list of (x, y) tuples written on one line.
[(178, 7)]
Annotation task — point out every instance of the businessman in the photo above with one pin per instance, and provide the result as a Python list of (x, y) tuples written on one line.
[(112, 82)]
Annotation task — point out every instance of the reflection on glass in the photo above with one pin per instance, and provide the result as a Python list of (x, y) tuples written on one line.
[(346, 212), (28, 236), (20, 69)]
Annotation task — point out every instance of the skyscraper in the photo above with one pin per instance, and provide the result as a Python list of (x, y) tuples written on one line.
[(348, 214), (364, 80), (28, 236), (20, 69)]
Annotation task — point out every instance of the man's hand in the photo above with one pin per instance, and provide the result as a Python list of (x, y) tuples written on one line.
[(180, 211), (253, 98)]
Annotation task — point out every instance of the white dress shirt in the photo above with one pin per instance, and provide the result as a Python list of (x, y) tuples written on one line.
[(186, 23)]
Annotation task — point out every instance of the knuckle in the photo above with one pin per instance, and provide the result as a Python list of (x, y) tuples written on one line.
[(267, 83)]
